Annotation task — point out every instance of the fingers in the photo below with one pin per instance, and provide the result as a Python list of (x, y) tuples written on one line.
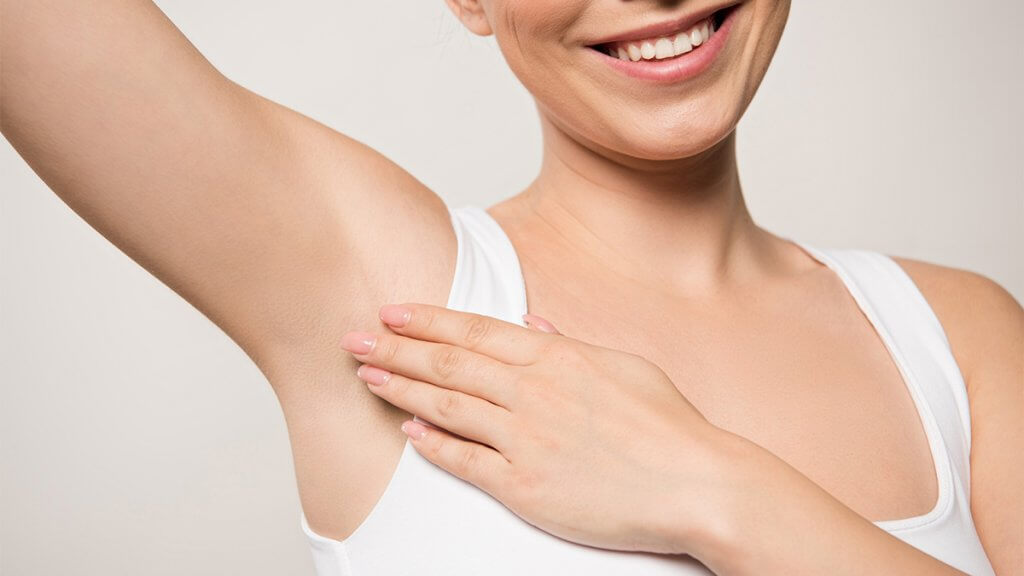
[(465, 415), (475, 463), (503, 341), (443, 365)]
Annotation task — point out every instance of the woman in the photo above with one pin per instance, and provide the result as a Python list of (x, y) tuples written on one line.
[(633, 241)]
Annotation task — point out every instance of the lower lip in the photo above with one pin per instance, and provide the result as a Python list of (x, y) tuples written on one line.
[(682, 67)]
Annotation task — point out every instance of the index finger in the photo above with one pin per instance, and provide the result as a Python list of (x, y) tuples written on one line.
[(498, 339)]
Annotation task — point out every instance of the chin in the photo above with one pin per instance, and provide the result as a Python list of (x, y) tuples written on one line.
[(671, 135)]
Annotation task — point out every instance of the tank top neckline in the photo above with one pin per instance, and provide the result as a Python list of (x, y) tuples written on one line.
[(942, 469), (488, 280), (510, 258)]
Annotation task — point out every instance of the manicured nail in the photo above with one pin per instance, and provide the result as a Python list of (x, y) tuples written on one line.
[(540, 323), (358, 342), (373, 375), (414, 429), (393, 315)]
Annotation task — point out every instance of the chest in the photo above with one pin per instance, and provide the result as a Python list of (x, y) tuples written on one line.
[(795, 367)]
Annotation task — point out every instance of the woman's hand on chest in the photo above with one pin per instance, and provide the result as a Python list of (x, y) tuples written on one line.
[(587, 443)]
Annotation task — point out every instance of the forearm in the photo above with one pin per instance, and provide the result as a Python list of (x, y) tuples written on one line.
[(771, 519)]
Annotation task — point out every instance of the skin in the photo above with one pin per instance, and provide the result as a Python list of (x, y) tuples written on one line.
[(668, 166), (517, 412), (634, 237)]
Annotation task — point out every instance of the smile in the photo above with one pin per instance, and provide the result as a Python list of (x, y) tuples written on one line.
[(662, 47), (669, 56)]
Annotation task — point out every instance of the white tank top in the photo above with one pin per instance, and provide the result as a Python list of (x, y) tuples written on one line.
[(430, 523)]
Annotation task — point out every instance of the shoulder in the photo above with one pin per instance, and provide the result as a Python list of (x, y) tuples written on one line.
[(985, 328), (982, 320)]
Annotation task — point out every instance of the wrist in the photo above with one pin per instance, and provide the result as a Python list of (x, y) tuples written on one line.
[(708, 524)]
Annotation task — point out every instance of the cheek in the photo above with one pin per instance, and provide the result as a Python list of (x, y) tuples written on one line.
[(531, 33), (517, 22)]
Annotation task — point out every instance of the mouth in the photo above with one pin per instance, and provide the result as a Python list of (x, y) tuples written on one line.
[(668, 45)]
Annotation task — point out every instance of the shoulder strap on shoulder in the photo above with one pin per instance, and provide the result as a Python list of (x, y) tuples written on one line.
[(488, 279)]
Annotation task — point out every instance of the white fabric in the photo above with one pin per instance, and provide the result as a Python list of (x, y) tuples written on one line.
[(428, 522)]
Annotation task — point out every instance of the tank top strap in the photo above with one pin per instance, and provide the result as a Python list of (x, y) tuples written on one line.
[(900, 312), (488, 279)]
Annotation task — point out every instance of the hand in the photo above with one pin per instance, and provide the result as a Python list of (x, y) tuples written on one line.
[(590, 444)]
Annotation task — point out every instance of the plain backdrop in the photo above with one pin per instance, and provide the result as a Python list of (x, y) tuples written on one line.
[(136, 438)]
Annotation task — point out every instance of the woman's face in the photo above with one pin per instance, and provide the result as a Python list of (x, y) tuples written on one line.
[(555, 48)]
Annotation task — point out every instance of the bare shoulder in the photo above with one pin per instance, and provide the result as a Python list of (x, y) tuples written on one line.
[(983, 321), (985, 327)]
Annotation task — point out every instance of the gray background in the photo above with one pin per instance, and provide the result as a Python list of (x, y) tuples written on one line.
[(136, 438)]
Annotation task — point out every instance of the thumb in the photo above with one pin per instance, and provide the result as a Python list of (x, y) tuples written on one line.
[(537, 323)]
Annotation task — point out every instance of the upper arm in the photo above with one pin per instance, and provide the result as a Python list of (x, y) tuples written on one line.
[(985, 326), (271, 224)]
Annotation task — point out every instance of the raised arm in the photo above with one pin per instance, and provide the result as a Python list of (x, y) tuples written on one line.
[(282, 231), (262, 218)]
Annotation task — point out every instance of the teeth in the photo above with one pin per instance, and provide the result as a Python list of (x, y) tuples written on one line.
[(682, 44), (647, 50), (663, 49), (664, 46)]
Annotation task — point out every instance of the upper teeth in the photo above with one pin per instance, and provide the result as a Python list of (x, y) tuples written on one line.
[(664, 46)]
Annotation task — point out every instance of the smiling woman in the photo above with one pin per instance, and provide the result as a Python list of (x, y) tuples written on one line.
[(614, 370)]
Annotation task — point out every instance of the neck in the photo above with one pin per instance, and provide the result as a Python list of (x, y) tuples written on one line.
[(679, 224)]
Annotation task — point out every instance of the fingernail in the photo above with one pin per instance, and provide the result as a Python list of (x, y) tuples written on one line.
[(358, 342), (393, 315), (414, 429), (540, 323), (373, 375)]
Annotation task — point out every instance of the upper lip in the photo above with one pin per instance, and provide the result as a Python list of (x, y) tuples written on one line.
[(663, 28)]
